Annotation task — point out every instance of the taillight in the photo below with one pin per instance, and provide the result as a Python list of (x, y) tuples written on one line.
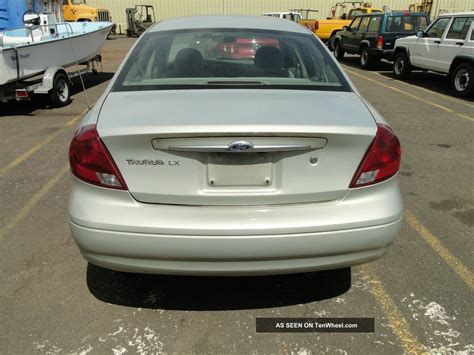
[(91, 161), (381, 161), (380, 42), (316, 25)]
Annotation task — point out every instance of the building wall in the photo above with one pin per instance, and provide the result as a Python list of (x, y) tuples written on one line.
[(173, 8)]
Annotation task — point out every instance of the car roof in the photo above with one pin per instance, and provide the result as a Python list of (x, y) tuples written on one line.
[(469, 13), (398, 13), (241, 22)]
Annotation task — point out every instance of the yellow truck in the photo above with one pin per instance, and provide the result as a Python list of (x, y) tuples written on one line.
[(78, 10), (340, 16)]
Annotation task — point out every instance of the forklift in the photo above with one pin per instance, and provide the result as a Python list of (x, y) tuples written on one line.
[(139, 19)]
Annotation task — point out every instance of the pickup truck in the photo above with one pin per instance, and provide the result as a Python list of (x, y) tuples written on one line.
[(447, 47), (328, 28)]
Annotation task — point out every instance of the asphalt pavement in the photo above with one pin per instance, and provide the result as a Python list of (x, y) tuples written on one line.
[(420, 294)]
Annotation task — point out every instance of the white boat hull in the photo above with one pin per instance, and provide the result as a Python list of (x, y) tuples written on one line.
[(34, 58)]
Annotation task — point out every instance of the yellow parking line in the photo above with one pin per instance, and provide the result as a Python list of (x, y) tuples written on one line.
[(441, 107), (17, 161), (32, 202), (454, 263), (430, 92), (395, 319), (464, 116)]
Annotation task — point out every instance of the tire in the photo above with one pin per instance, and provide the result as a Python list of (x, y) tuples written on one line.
[(60, 94), (462, 80), (331, 42), (401, 66), (367, 60), (140, 31), (338, 51)]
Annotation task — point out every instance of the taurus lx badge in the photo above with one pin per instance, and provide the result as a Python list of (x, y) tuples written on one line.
[(153, 162)]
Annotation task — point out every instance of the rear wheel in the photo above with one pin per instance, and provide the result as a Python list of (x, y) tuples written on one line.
[(338, 51), (60, 94), (366, 59), (331, 42), (401, 66), (140, 30), (462, 80)]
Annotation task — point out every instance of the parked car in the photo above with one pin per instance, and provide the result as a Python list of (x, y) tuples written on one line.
[(447, 46), (194, 164), (373, 36)]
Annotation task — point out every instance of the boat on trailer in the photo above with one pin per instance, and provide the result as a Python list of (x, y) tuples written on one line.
[(34, 58)]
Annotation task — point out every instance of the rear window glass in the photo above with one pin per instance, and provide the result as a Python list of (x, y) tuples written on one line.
[(232, 58), (354, 13), (404, 24), (459, 28), (421, 22)]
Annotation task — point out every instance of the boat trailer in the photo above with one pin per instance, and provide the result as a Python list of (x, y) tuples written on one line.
[(55, 82)]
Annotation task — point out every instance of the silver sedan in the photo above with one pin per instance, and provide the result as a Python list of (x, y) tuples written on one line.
[(232, 146)]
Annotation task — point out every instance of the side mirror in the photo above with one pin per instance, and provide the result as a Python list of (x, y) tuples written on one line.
[(31, 18), (420, 33), (345, 28)]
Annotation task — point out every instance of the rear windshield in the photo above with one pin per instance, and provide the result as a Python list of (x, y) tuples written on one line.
[(229, 58), (405, 23)]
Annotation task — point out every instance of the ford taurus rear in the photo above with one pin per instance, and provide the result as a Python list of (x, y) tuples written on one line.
[(196, 163)]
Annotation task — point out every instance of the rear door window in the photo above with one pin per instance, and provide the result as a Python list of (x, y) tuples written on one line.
[(459, 28), (374, 24), (364, 24), (438, 28)]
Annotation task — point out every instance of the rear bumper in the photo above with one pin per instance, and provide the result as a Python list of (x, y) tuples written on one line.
[(382, 54), (114, 231), (226, 255)]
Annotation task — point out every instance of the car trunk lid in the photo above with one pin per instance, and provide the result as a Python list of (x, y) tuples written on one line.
[(236, 147)]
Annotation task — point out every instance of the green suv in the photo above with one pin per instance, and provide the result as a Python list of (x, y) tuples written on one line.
[(373, 36)]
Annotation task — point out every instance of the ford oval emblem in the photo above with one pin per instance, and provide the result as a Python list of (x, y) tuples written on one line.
[(239, 146)]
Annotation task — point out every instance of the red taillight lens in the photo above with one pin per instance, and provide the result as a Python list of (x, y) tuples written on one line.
[(91, 161), (381, 161), (316, 25), (380, 42)]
